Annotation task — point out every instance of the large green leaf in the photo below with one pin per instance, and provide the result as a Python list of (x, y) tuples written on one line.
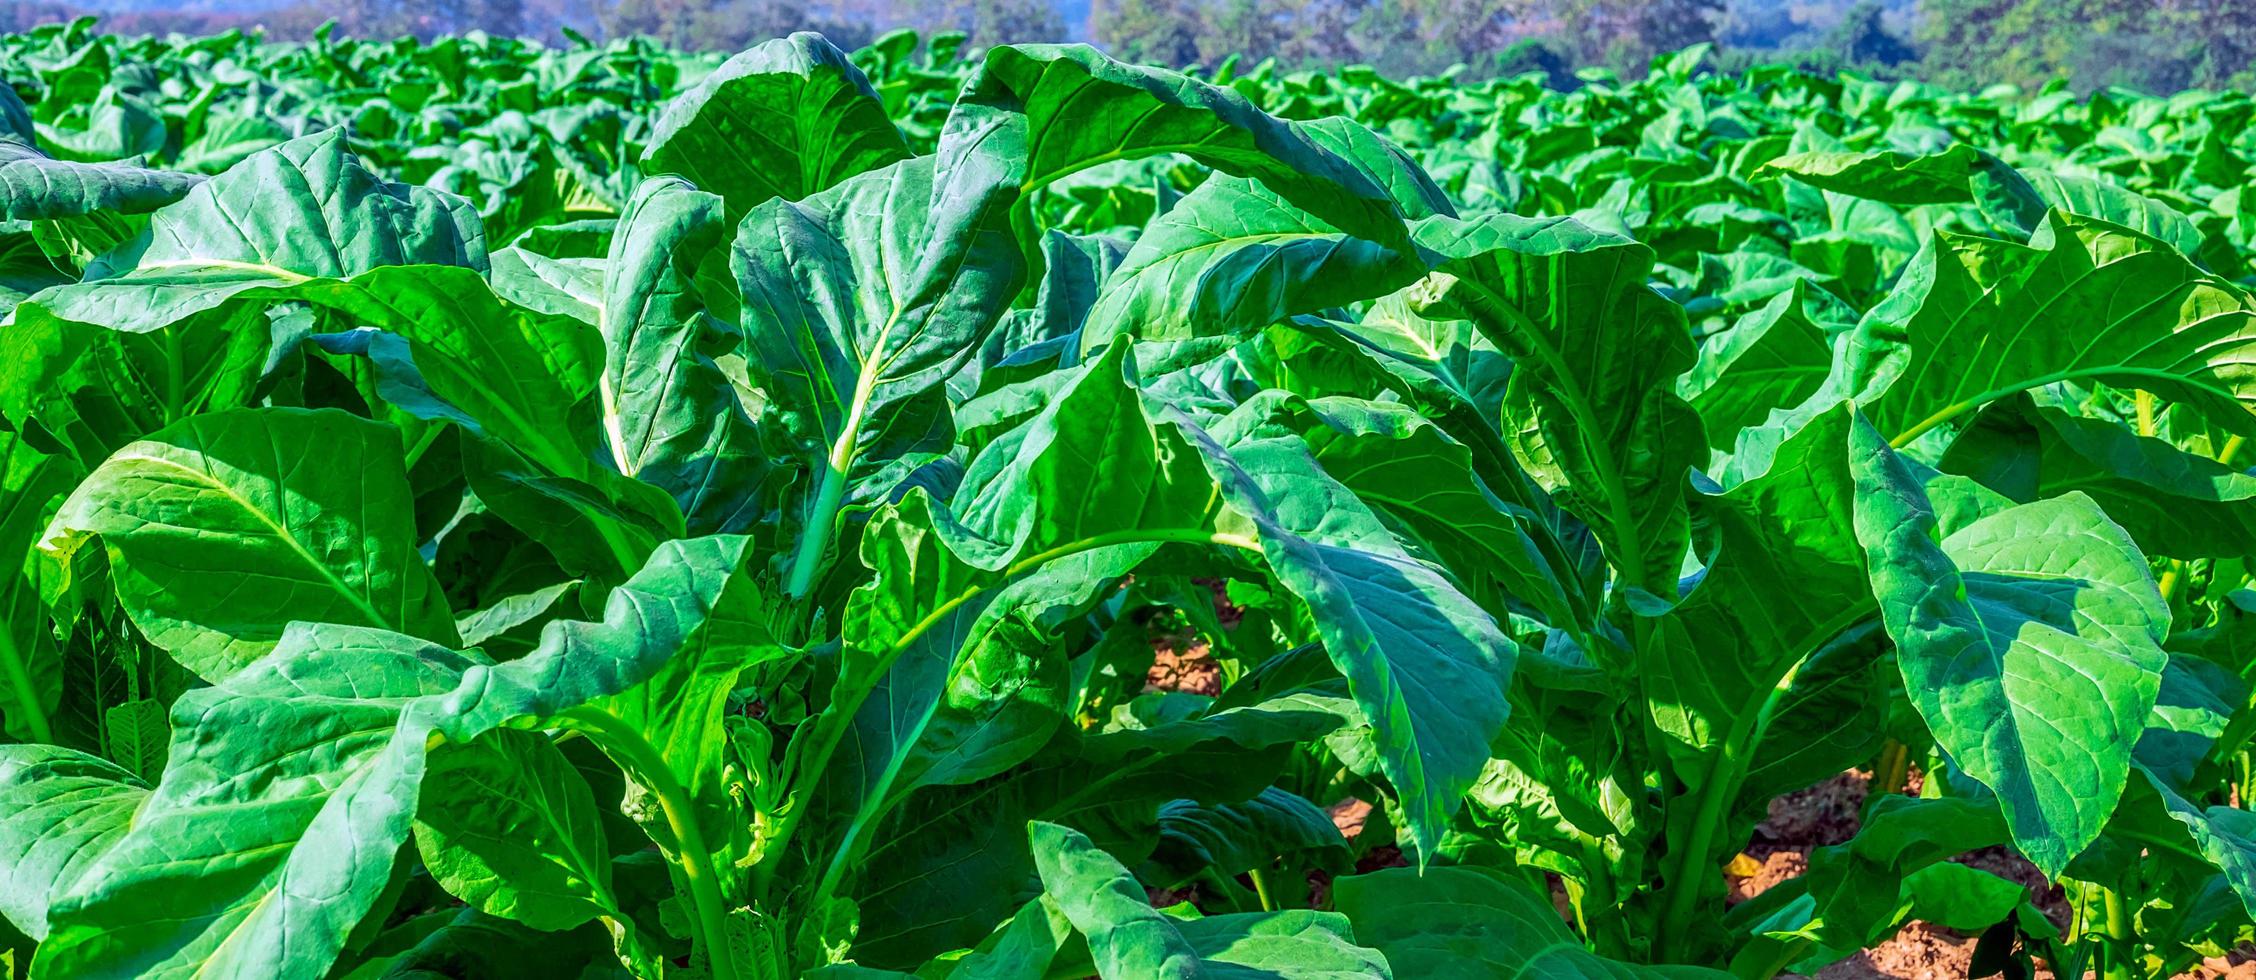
[(309, 206), (1473, 924), (2029, 641), (953, 637), (790, 117), (2172, 502), (858, 303), (165, 334), (1591, 409), (1039, 112), (506, 825), (1130, 939), (293, 783), (2112, 202), (225, 528), (670, 414), (2224, 835), (33, 185), (60, 811), (1771, 358), (1977, 320), (1234, 256), (1428, 667), (1785, 576), (1411, 470), (1890, 176), (1784, 593)]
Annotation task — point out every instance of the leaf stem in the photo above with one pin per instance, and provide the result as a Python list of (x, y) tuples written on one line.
[(1260, 879), (1692, 865), (815, 535), (1894, 767), (847, 701), (615, 736), (822, 520), (1964, 405), (27, 705), (2121, 944)]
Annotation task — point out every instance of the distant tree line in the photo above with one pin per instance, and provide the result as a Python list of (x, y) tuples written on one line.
[(2156, 45)]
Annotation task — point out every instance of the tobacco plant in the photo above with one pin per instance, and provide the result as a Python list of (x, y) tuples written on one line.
[(751, 569)]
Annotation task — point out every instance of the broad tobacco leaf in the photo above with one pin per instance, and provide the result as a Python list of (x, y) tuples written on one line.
[(954, 633), (858, 303), (687, 433), (1469, 923), (1129, 938), (2029, 640), (1890, 176), (1976, 320), (2172, 502), (1591, 410), (1785, 576), (223, 529), (304, 221), (1234, 256), (790, 117), (64, 809), (1774, 357), (36, 186), (293, 783), (1039, 112), (1427, 666)]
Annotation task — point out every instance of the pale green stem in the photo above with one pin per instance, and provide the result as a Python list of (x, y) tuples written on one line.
[(815, 535), (711, 911), (2121, 946), (1691, 866), (1260, 878), (849, 700)]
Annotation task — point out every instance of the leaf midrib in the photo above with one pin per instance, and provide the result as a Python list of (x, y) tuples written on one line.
[(278, 531)]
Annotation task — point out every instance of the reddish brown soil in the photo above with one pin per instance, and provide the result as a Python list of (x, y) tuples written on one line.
[(1776, 868), (2239, 966), (1819, 816), (1348, 815), (1191, 670), (1918, 952), (1184, 662)]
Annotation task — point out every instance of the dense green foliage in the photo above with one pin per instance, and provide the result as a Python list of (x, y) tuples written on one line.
[(490, 511)]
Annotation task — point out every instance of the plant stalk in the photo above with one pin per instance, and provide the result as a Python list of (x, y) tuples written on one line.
[(814, 537), (1260, 879), (848, 701), (2121, 945), (711, 911), (1690, 867), (1894, 767)]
